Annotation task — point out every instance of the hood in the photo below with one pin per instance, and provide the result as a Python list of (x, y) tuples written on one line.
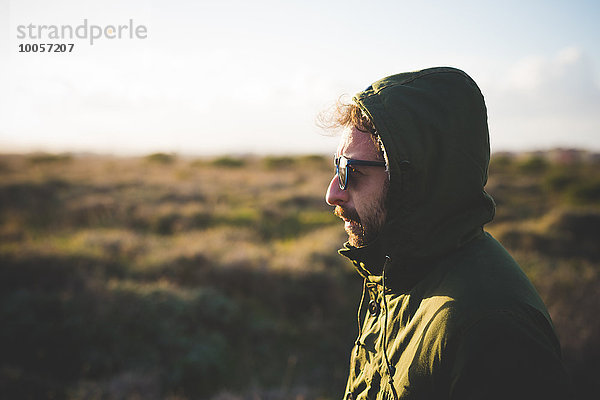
[(433, 125)]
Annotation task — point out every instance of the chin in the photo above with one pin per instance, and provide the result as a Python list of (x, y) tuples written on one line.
[(355, 241), (356, 235)]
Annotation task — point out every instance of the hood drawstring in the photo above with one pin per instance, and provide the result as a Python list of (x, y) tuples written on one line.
[(360, 306), (390, 367)]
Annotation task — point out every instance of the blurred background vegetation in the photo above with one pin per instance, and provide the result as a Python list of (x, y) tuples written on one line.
[(168, 277)]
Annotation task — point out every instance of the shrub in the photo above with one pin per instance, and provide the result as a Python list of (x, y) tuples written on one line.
[(559, 179), (278, 162), (229, 162), (587, 192), (500, 163), (45, 158), (161, 158), (533, 165)]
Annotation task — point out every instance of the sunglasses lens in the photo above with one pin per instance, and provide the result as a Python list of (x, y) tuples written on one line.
[(342, 172)]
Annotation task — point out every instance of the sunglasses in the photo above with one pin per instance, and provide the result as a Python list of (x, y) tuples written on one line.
[(343, 164)]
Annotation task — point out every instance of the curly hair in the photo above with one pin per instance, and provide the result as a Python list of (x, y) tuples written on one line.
[(350, 115)]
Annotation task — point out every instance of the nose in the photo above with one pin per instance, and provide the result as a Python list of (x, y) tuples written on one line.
[(335, 196)]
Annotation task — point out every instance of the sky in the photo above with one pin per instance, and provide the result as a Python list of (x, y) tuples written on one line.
[(238, 77)]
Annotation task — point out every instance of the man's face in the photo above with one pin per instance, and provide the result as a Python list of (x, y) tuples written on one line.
[(362, 204)]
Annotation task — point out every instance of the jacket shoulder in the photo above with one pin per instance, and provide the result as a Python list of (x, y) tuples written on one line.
[(481, 278), (503, 355), (498, 336)]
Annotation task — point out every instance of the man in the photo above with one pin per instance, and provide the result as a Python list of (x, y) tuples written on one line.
[(450, 313)]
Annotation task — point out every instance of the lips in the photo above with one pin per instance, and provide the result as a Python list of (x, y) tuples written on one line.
[(350, 217)]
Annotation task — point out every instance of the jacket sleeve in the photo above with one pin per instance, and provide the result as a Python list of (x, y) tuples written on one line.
[(508, 356)]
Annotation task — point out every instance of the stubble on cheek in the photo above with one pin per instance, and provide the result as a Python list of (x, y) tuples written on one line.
[(362, 231)]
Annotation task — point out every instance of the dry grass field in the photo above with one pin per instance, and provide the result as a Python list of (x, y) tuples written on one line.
[(164, 277)]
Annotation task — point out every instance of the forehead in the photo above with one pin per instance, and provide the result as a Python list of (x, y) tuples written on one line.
[(358, 145)]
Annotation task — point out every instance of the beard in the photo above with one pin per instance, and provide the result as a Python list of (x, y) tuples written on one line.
[(362, 231)]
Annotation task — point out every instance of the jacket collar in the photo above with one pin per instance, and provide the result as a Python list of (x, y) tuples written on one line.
[(403, 273)]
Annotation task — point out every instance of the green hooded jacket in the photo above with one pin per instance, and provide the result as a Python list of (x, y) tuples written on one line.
[(459, 319)]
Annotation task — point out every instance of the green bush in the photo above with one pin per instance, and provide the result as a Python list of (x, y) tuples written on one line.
[(161, 158), (278, 162), (587, 192), (500, 164), (533, 165), (46, 158), (229, 162), (559, 179)]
